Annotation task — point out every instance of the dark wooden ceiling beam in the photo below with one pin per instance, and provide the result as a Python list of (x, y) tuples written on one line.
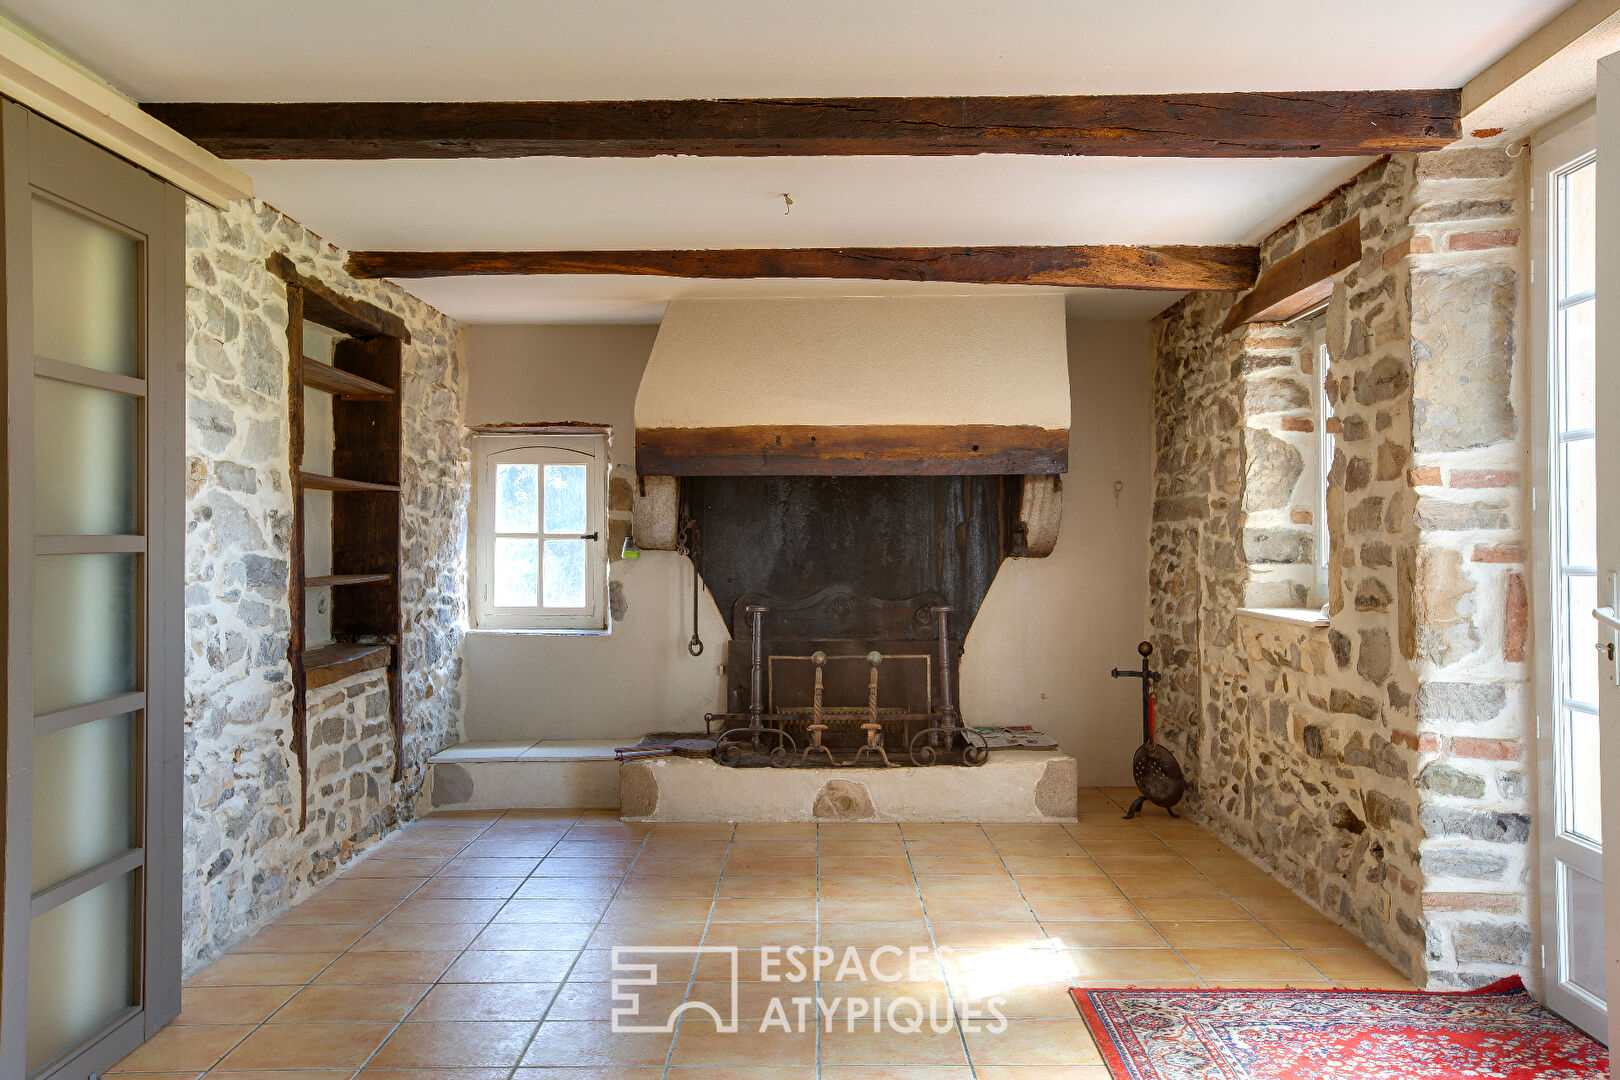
[(1315, 124), (1173, 268)]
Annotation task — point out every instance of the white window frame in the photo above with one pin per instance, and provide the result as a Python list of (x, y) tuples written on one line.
[(490, 450)]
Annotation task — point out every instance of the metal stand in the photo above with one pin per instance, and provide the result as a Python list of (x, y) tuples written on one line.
[(1148, 677), (873, 729), (948, 726), (816, 726), (730, 749)]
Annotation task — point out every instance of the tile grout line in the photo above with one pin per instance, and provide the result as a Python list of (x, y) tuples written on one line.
[(468, 947), (342, 953), (697, 958), (1021, 895), (1142, 826), (1239, 902), (623, 877), (928, 922), (1213, 885), (816, 839)]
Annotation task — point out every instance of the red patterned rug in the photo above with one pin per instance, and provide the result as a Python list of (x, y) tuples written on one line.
[(1498, 1033)]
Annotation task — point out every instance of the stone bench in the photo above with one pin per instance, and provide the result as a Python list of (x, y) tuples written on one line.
[(536, 775)]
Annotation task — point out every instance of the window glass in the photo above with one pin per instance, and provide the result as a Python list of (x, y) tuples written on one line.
[(1584, 769), (517, 572), (565, 574), (1579, 227), (517, 498), (1580, 366), (1580, 502), (565, 498)]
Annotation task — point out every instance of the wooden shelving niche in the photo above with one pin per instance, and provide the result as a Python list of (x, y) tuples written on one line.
[(364, 380)]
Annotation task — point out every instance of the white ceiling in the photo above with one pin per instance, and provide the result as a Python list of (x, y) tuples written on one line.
[(229, 50), (685, 202)]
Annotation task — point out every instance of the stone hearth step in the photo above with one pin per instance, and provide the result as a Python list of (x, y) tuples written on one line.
[(1014, 786), (540, 774)]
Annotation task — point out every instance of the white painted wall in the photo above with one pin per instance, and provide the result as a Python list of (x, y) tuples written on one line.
[(1039, 652), (638, 678), (858, 360), (1051, 629)]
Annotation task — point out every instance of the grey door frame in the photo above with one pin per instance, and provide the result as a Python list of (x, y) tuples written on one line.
[(39, 157)]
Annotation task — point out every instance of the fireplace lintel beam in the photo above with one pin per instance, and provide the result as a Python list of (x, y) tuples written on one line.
[(852, 450)]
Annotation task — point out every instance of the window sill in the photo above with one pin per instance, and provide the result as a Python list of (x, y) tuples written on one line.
[(538, 631), (1294, 616)]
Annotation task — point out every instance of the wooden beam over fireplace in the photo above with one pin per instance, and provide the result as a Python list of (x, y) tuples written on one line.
[(853, 450), (1229, 125), (1105, 266)]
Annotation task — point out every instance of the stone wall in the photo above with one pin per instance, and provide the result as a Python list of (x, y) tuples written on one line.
[(245, 857), (1375, 762)]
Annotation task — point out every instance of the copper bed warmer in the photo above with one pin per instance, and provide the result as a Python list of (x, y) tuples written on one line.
[(827, 736)]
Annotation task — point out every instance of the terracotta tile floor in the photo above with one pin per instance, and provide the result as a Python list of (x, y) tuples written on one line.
[(479, 947)]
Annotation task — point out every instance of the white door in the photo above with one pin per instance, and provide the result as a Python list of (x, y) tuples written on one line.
[(1564, 176), (1608, 489)]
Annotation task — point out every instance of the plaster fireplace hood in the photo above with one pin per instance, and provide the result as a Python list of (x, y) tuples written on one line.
[(856, 386)]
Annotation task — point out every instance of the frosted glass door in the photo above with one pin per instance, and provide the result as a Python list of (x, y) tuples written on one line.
[(95, 463), (86, 845)]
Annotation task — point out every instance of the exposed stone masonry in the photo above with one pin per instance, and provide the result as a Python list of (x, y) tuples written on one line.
[(1376, 763), (245, 858)]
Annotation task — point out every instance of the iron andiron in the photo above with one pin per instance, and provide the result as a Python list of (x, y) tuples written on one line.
[(793, 695)]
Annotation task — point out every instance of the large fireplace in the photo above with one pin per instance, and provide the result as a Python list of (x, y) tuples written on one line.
[(848, 476), (866, 584)]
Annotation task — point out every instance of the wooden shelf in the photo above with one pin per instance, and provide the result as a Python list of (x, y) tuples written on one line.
[(329, 663), (322, 482), (327, 580), (319, 376)]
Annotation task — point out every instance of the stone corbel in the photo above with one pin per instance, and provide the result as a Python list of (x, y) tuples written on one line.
[(1039, 513), (655, 517)]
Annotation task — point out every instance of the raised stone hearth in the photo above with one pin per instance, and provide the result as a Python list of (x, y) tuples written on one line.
[(1020, 785)]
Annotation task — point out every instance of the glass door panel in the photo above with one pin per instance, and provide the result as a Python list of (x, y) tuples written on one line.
[(1581, 899), (87, 289), (85, 786), (85, 643), (82, 962), (1581, 767), (91, 438)]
